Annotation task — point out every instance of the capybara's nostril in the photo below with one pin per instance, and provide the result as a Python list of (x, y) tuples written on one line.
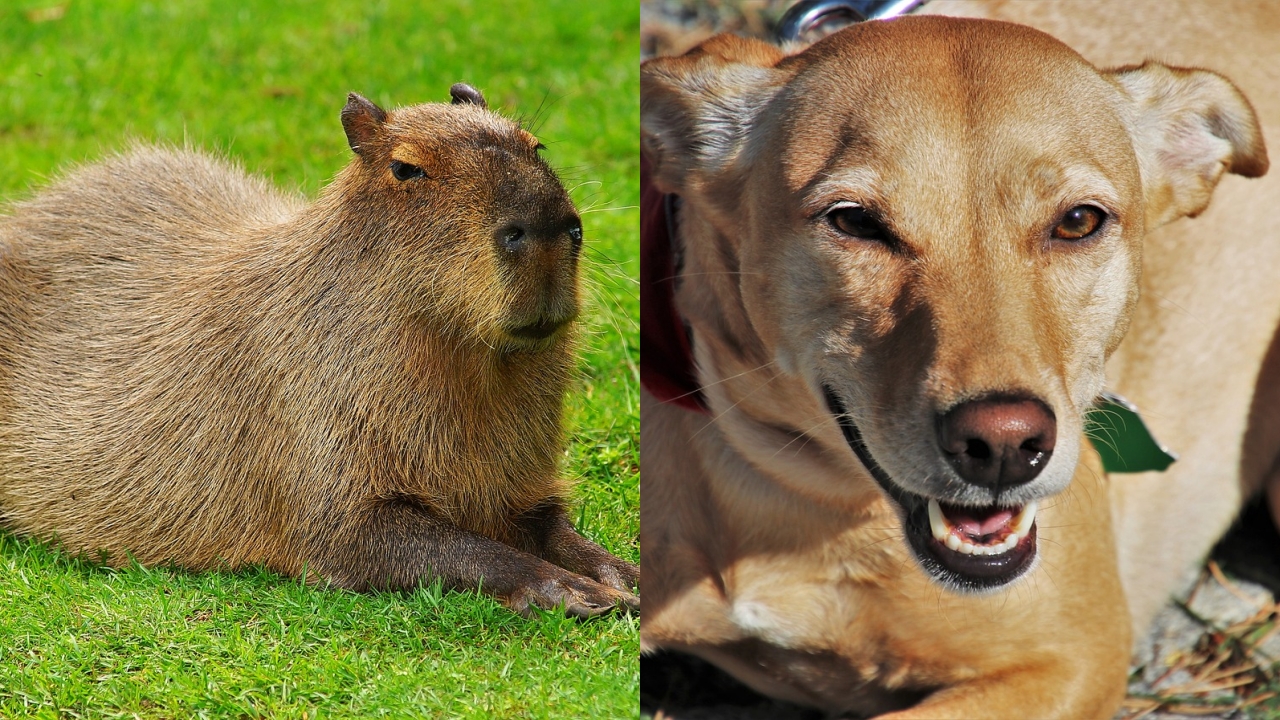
[(575, 237), (998, 441), (513, 238)]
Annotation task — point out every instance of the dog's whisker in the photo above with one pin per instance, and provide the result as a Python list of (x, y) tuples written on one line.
[(740, 400), (707, 273), (723, 380), (806, 433)]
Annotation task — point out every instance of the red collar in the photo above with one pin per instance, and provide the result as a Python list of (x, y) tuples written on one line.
[(666, 349)]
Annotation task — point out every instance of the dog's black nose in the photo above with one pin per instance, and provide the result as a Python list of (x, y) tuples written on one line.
[(998, 441)]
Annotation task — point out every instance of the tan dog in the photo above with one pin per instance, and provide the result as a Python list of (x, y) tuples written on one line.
[(906, 254)]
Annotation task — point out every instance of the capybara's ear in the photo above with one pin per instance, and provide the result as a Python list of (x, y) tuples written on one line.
[(697, 109), (362, 120), (464, 94), (1189, 127)]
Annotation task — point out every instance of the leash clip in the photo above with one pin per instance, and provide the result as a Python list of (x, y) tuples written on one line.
[(822, 17)]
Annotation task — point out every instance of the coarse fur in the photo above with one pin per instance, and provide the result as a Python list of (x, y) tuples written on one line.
[(197, 368), (775, 527)]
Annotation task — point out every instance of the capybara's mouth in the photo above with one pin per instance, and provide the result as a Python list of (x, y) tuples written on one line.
[(965, 548), (540, 330)]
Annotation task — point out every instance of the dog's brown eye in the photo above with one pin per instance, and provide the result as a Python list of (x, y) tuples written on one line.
[(404, 171), (857, 221), (1080, 222)]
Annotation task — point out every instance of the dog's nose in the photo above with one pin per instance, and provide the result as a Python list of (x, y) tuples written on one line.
[(998, 441)]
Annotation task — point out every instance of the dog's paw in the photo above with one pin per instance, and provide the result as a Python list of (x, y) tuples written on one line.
[(579, 596)]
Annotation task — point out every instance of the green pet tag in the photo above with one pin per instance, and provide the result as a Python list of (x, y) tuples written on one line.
[(1122, 439)]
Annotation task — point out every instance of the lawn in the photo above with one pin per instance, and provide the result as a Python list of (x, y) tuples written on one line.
[(263, 82)]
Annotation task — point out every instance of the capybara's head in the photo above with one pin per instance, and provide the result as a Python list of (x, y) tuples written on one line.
[(472, 220)]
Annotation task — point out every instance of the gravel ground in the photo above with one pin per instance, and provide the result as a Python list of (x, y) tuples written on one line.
[(1222, 632)]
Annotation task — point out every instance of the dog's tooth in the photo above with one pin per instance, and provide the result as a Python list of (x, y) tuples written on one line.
[(952, 541), (1022, 526), (966, 548), (938, 522)]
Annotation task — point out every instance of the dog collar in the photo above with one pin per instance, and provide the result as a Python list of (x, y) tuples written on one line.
[(666, 347)]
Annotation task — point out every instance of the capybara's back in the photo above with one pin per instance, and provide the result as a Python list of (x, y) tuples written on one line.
[(125, 365), (196, 368)]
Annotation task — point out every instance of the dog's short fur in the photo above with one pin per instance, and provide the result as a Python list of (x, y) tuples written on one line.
[(196, 368), (832, 361)]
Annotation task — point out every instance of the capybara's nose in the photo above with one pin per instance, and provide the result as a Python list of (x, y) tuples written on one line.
[(998, 441), (518, 238)]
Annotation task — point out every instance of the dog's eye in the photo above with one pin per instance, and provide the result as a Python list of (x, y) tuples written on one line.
[(404, 171), (1079, 223), (857, 221)]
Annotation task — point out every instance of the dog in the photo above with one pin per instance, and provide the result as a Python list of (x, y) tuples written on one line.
[(900, 264)]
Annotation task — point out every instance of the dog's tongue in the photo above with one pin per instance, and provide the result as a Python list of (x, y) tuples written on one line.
[(978, 522)]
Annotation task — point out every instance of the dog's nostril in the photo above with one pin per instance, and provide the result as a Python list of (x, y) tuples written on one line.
[(998, 441)]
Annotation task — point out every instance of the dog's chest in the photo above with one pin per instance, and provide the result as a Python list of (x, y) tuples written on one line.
[(827, 628)]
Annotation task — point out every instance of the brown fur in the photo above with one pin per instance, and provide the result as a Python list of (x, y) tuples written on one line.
[(771, 548), (197, 368)]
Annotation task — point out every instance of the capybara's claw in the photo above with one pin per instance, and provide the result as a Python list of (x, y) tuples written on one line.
[(619, 575), (579, 596)]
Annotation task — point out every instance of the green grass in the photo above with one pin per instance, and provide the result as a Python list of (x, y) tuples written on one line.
[(263, 82)]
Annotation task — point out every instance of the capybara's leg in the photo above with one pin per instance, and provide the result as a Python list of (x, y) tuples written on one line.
[(553, 538), (398, 545)]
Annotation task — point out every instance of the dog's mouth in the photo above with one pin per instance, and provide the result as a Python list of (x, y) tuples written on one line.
[(965, 548)]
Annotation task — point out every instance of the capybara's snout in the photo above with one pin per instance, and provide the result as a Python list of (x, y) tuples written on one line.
[(539, 251)]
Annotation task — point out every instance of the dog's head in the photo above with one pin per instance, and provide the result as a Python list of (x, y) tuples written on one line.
[(926, 233)]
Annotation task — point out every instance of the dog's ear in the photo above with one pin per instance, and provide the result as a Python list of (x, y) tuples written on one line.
[(696, 109), (1188, 126)]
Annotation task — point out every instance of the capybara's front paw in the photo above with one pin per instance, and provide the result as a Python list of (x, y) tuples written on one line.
[(617, 574), (579, 596)]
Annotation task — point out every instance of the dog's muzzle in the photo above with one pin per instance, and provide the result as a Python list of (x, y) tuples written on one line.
[(968, 549)]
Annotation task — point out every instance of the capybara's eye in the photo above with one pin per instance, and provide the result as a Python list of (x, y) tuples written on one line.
[(857, 221), (404, 171), (1079, 223)]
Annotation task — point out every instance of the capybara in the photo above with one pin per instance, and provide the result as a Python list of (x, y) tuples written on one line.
[(196, 368)]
